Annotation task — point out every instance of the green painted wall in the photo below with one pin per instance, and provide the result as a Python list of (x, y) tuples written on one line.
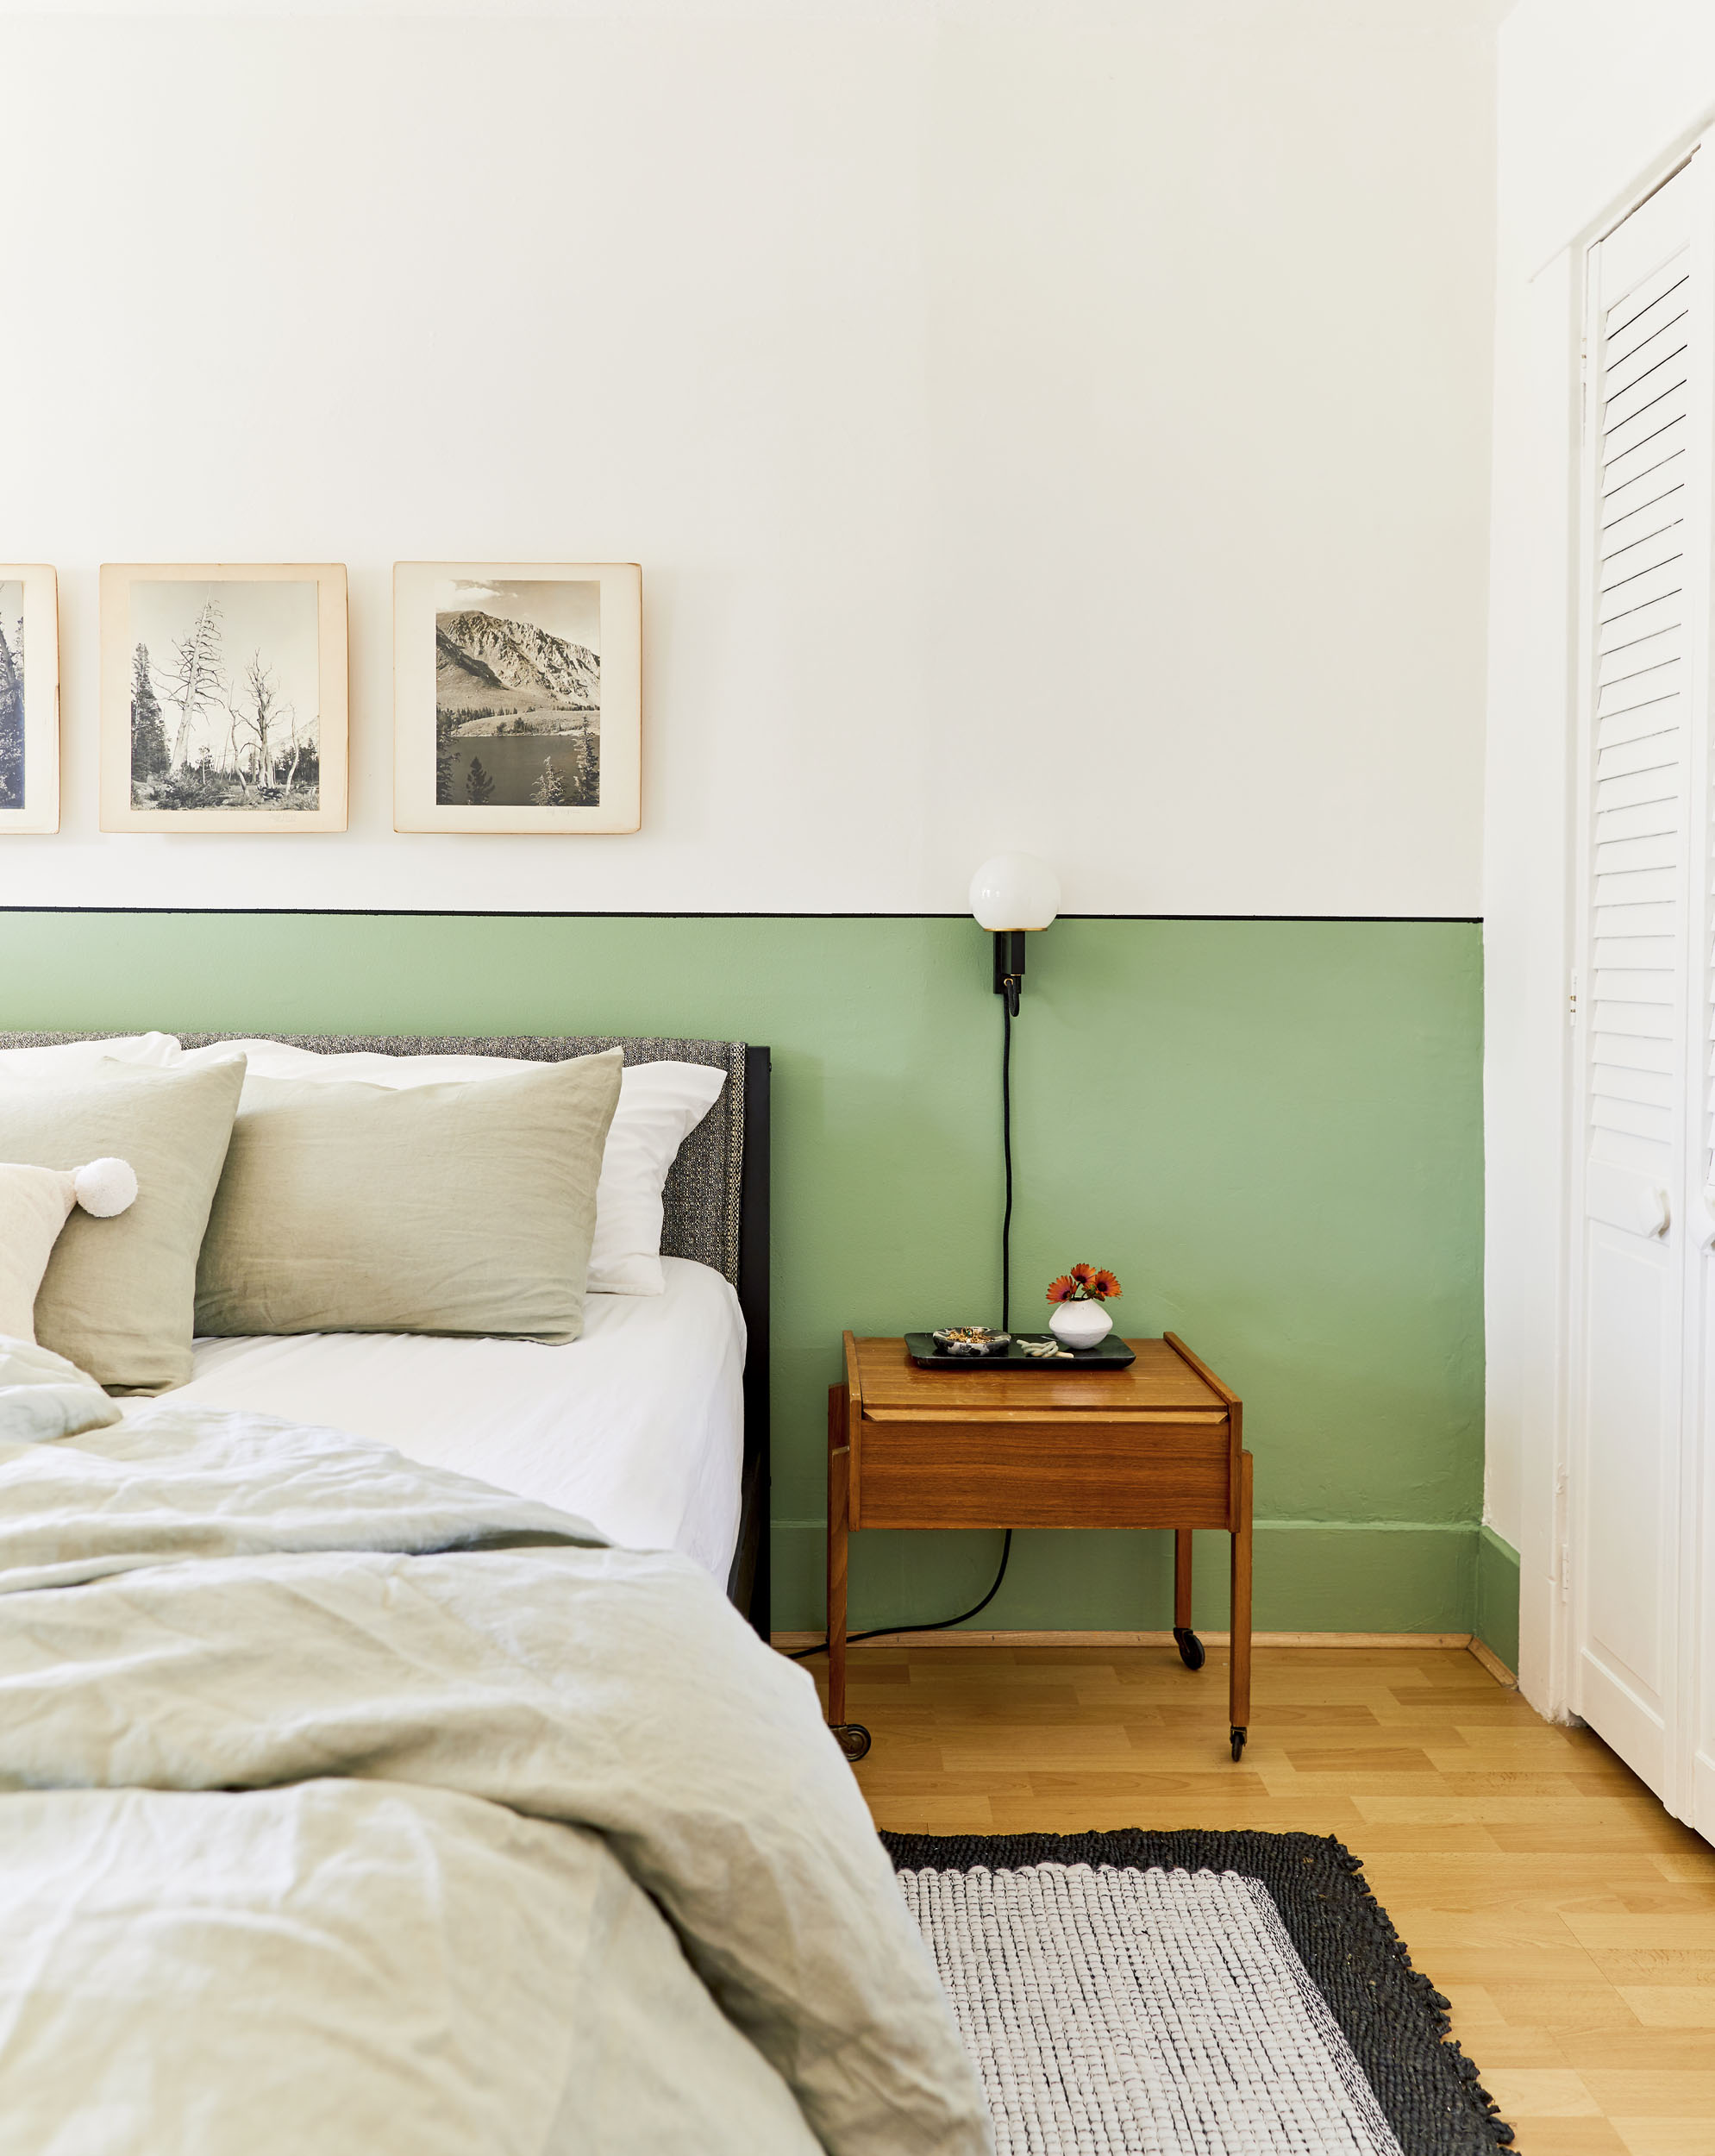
[(1270, 1130), (1496, 1622)]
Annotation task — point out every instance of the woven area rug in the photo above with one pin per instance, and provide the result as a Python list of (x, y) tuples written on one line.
[(1189, 1994)]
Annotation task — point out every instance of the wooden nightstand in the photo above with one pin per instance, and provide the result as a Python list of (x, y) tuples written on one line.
[(1158, 1444)]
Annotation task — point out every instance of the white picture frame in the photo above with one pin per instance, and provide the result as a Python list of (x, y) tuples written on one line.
[(30, 699), (541, 661), (243, 674)]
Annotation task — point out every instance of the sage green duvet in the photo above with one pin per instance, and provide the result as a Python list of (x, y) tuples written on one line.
[(349, 1806)]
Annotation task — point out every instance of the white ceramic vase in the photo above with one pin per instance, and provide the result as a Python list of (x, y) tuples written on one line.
[(1079, 1325)]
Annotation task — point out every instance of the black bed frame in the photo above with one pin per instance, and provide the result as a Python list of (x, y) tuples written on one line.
[(748, 1585)]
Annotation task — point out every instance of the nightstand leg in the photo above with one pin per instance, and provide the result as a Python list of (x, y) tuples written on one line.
[(1190, 1646), (1239, 1707), (839, 1487)]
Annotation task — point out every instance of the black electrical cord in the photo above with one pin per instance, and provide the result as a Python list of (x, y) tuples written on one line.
[(940, 1624), (944, 1624)]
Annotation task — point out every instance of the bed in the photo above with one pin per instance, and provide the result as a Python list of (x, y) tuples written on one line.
[(657, 1429), (350, 1803)]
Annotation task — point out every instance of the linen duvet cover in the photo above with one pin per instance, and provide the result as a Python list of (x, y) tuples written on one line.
[(350, 1805)]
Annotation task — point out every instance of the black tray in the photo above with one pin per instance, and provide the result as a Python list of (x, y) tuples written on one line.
[(1111, 1354)]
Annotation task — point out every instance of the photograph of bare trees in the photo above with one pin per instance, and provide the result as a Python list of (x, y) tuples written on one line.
[(225, 696), (518, 694), (11, 694)]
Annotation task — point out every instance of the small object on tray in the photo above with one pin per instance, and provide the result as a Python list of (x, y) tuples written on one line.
[(970, 1340), (1013, 1351)]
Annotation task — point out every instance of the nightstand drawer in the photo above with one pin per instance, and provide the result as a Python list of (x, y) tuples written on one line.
[(1051, 1473)]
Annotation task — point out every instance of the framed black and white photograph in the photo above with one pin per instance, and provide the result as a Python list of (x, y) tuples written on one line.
[(30, 699), (224, 697), (518, 696)]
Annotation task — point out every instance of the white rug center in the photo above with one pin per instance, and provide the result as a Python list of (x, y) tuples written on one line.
[(1152, 2012)]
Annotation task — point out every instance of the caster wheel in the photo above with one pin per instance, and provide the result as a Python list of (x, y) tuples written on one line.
[(853, 1740), (1190, 1647), (1239, 1736)]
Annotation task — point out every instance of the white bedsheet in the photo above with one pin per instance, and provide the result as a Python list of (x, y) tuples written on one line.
[(638, 1427)]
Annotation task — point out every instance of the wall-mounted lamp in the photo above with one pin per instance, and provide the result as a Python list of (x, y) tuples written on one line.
[(1010, 895)]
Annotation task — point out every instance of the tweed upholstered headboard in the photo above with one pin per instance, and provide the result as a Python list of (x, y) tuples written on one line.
[(716, 1202)]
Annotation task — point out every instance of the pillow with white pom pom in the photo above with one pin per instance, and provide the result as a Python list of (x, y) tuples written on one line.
[(119, 1296), (36, 1203)]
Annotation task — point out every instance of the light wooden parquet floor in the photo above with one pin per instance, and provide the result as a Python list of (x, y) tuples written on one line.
[(1541, 1887)]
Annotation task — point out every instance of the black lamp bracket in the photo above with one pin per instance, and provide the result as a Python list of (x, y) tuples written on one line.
[(1009, 966)]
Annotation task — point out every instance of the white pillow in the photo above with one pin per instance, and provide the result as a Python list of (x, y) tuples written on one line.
[(157, 1050), (281, 1059), (660, 1106)]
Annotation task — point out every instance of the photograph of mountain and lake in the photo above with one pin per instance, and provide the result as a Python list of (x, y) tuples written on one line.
[(518, 694), (225, 696), (11, 694)]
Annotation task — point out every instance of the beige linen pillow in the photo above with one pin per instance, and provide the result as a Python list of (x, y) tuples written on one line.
[(118, 1294), (449, 1208), (660, 1106)]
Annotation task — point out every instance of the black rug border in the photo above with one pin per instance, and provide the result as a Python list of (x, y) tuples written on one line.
[(1392, 2016)]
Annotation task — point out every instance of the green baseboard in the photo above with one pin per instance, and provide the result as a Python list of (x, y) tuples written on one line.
[(1310, 1575), (1496, 1623)]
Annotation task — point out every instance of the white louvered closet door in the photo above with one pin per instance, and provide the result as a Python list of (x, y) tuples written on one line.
[(1643, 1015), (1692, 1793)]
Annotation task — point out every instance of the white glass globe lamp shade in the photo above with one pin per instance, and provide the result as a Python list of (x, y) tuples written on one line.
[(1015, 891)]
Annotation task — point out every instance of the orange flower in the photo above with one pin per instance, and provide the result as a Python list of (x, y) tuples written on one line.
[(1084, 1275), (1104, 1286), (1065, 1289)]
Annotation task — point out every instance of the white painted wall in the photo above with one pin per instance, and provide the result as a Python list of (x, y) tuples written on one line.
[(1057, 426), (1596, 98)]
